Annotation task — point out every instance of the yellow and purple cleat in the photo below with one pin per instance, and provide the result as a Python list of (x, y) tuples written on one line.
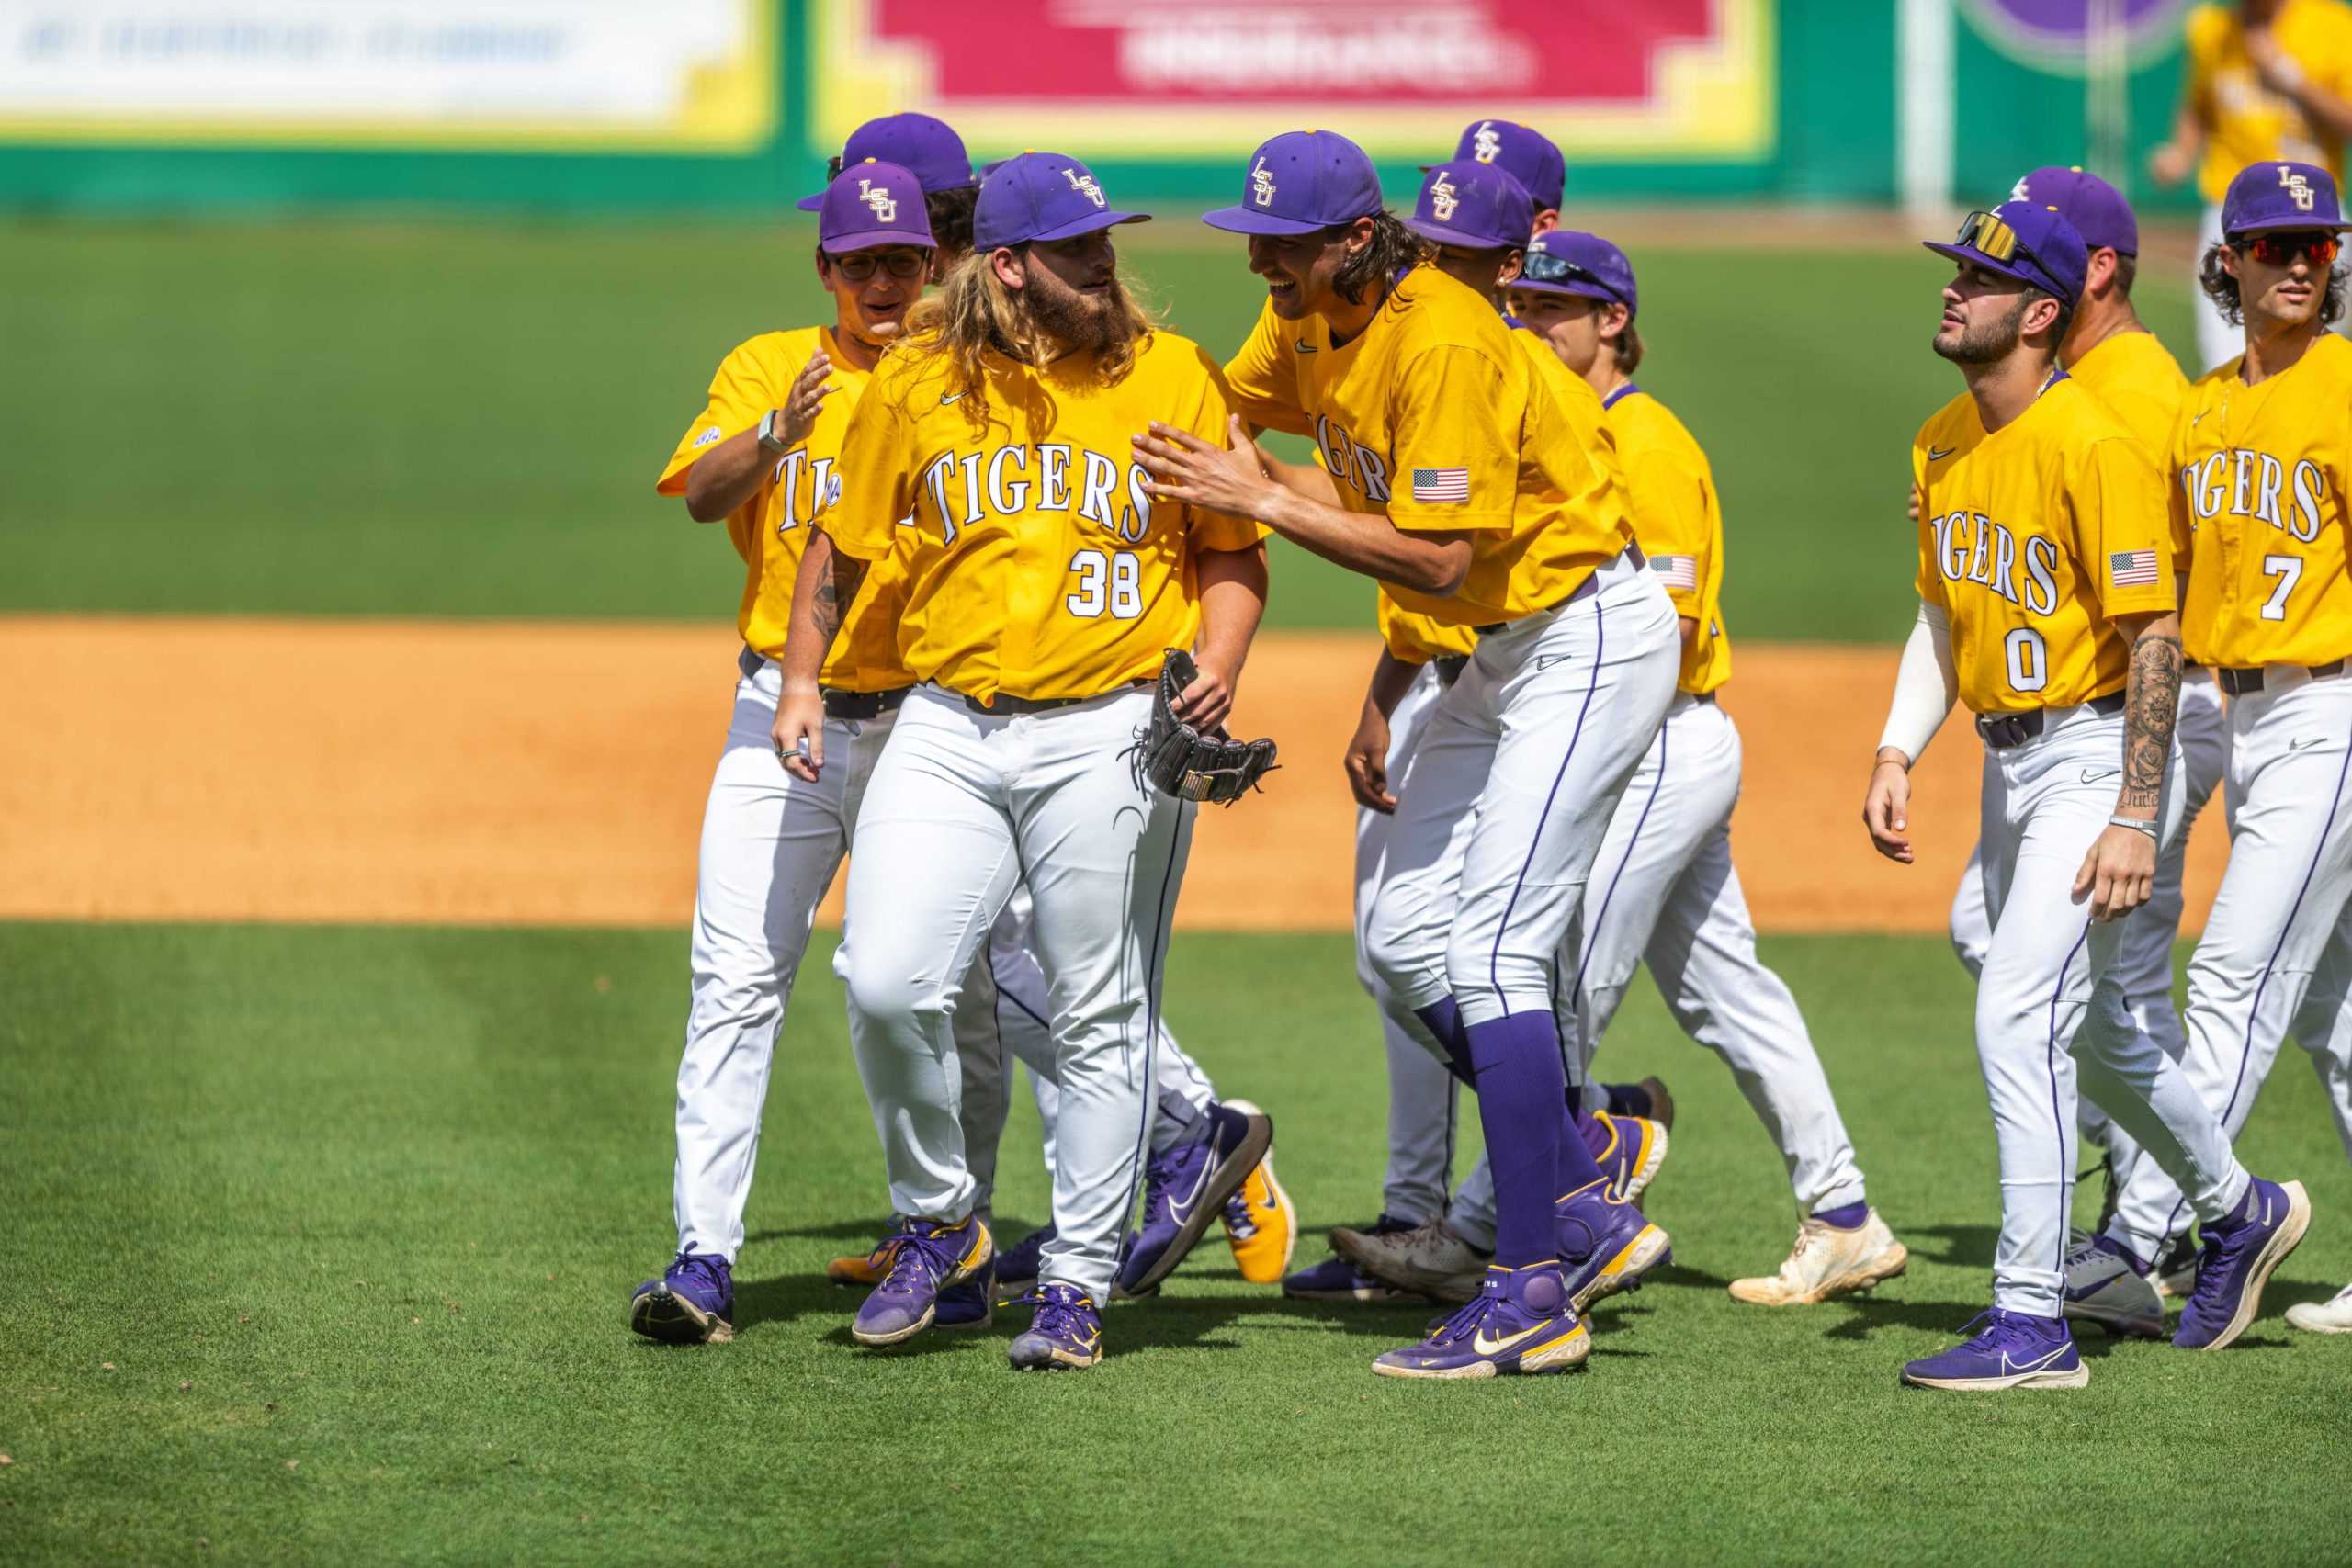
[(868, 1269), (1632, 1151), (1261, 1225)]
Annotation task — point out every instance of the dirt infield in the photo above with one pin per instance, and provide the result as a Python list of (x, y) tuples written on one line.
[(552, 773)]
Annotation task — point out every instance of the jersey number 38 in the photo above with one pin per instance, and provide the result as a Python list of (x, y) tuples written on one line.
[(1109, 580)]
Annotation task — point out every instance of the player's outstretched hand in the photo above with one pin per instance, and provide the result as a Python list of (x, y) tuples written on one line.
[(1205, 703), (1886, 809), (798, 734), (2119, 873), (806, 400), (1366, 762), (1184, 467)]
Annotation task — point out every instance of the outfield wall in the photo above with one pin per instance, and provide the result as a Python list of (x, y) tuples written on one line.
[(614, 106)]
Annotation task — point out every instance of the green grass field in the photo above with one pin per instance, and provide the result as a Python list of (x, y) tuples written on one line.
[(319, 1241), (467, 420)]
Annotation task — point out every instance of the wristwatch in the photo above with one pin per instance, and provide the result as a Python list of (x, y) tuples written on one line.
[(768, 441)]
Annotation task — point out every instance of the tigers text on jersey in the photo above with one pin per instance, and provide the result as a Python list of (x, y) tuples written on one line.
[(1678, 519), (770, 529), (1433, 416), (2263, 474), (2140, 383), (1043, 568), (2032, 538)]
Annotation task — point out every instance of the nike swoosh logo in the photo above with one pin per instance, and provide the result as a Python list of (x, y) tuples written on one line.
[(946, 398), (1937, 454), (1303, 347), (2302, 741), (1486, 1347), (1182, 1211), (2195, 417), (2096, 775), (2033, 1366)]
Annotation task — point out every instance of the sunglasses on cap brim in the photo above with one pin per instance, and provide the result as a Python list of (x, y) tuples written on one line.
[(2280, 247), (1990, 237), (1542, 266)]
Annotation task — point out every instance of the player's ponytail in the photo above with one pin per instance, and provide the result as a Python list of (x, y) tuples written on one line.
[(1393, 249)]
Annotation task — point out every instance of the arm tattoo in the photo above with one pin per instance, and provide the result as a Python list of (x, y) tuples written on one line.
[(837, 591), (2152, 700)]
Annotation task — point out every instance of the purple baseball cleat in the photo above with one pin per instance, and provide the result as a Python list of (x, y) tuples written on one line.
[(2014, 1349), (1520, 1322), (1337, 1279), (691, 1304), (1016, 1266), (929, 1259), (1067, 1332), (971, 1304), (2240, 1252), (1606, 1246), (1184, 1191)]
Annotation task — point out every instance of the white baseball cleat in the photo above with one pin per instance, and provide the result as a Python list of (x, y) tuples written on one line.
[(1432, 1259), (1827, 1262), (2333, 1315), (2102, 1287)]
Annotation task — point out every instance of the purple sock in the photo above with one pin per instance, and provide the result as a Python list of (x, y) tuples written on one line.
[(1845, 1216), (1444, 1020), (1521, 1096)]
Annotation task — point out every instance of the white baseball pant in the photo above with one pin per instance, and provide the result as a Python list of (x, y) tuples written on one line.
[(1664, 890), (2049, 1004), (1501, 810), (962, 805), (2144, 963), (1423, 1097), (2276, 953)]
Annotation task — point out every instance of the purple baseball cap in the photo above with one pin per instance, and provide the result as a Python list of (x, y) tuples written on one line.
[(1569, 261), (1041, 196), (1528, 156), (871, 204), (2095, 207), (1300, 181), (2021, 240), (1472, 205), (929, 147), (2280, 195)]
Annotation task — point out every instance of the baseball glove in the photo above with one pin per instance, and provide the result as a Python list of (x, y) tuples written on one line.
[(1180, 761)]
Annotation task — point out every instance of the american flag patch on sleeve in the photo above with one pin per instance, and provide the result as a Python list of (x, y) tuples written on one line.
[(2131, 568), (1438, 486), (1677, 571)]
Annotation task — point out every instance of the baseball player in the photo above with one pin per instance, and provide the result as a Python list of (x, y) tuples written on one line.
[(1665, 889), (2112, 353), (936, 155), (2264, 471), (2266, 79), (1044, 588), (1482, 498), (2047, 607), (1421, 656), (1474, 217)]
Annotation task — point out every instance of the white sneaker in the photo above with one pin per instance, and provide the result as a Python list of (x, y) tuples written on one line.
[(2333, 1315), (1432, 1259), (1826, 1262), (2103, 1288)]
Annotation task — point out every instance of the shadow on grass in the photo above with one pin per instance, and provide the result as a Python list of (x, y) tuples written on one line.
[(1965, 1245)]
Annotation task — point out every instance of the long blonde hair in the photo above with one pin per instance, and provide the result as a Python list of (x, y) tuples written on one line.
[(972, 314)]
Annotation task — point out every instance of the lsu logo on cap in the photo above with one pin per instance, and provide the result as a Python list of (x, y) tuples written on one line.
[(1261, 185), (1487, 145), (1443, 198), (2297, 186), (1085, 186), (884, 205)]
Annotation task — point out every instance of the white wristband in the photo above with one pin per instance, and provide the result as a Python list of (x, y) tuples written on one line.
[(2133, 823)]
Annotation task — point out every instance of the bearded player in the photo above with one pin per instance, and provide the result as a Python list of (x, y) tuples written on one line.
[(1045, 587), (2112, 353), (1480, 500), (2262, 457), (2047, 607)]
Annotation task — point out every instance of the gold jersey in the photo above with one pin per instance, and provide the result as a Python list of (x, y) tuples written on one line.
[(1043, 568), (1434, 417), (2032, 538), (2140, 381), (770, 530), (2259, 509), (1678, 519), (2246, 122)]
